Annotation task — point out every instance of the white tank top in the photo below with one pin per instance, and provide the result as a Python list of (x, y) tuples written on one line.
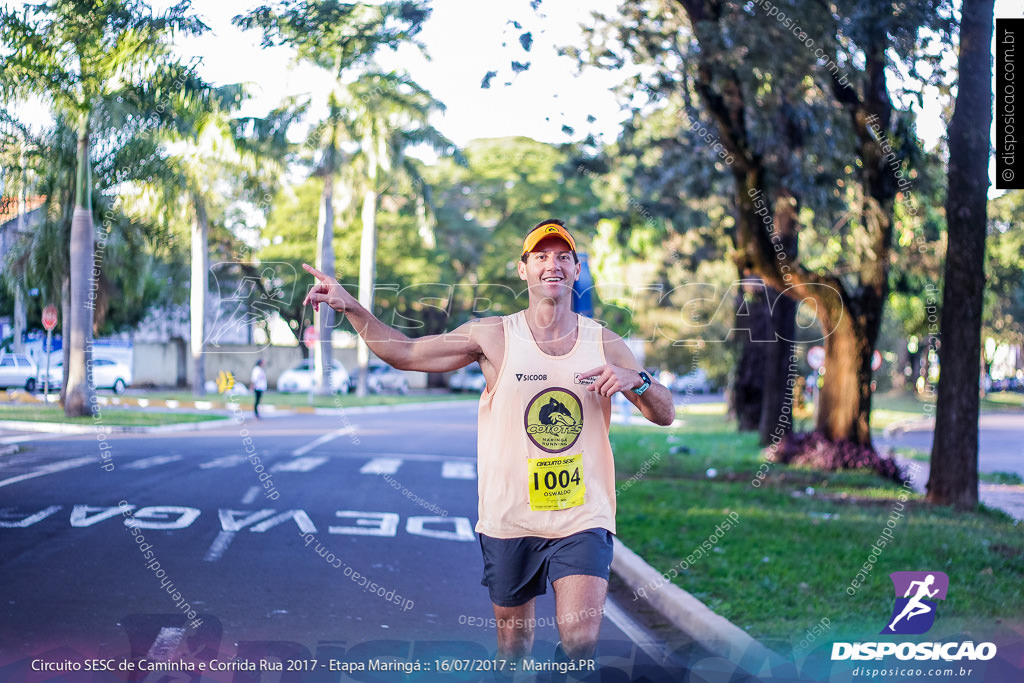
[(545, 464)]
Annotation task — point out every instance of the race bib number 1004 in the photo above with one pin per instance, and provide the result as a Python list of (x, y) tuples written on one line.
[(556, 483)]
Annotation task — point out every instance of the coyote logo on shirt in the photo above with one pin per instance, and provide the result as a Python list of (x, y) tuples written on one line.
[(554, 419)]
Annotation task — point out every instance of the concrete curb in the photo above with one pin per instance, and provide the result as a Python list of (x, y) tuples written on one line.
[(713, 632), (61, 428), (912, 424)]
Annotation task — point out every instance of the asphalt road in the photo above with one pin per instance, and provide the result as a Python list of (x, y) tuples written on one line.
[(349, 541), (1000, 441)]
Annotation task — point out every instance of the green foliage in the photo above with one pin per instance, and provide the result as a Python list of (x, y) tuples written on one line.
[(333, 35), (1004, 267)]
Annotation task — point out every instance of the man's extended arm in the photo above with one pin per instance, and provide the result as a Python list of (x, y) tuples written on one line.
[(435, 353), (622, 373)]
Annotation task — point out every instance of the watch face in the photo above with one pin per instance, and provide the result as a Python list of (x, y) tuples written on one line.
[(643, 387)]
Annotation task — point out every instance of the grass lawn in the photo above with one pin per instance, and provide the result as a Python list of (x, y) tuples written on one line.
[(802, 536), (110, 416)]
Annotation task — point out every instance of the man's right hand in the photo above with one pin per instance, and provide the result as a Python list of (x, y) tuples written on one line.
[(327, 291)]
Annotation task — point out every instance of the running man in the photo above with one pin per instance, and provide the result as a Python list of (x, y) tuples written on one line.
[(914, 606), (546, 474)]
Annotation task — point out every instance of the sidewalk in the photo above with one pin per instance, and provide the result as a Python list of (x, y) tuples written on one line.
[(1006, 497)]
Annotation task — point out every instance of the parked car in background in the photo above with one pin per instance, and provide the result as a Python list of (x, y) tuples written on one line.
[(694, 382), (386, 378), (17, 370), (469, 378), (107, 373), (300, 378)]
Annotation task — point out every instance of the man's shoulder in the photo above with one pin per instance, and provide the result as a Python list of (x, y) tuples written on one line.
[(486, 324)]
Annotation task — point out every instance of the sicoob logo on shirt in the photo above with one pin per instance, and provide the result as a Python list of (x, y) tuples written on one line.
[(554, 420)]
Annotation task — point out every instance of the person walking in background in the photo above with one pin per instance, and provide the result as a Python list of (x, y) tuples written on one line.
[(258, 382)]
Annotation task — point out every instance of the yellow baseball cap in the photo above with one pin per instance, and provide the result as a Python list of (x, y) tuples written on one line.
[(544, 230)]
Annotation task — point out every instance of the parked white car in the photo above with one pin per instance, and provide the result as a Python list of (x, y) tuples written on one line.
[(469, 378), (696, 382), (18, 370), (107, 373), (300, 378), (386, 378)]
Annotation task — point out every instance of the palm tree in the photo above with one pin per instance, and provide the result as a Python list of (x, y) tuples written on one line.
[(81, 56), (388, 112), (335, 36), (216, 160)]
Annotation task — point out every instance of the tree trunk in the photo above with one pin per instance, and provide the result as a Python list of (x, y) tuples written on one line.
[(20, 311), (200, 266), (753, 329), (844, 404), (80, 394), (953, 478), (65, 316), (777, 400), (324, 321), (20, 315), (367, 275)]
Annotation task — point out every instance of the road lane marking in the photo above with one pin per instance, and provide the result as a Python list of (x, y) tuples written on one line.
[(300, 465), (458, 470), (381, 466), (166, 644), (251, 494), (50, 469), (330, 436), (80, 514), (155, 461), (220, 544), (226, 461), (30, 520)]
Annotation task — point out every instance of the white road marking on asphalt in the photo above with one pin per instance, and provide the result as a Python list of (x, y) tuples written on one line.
[(462, 530), (368, 523), (458, 470), (348, 429), (302, 520), (655, 649), (155, 461), (80, 516), (220, 544), (250, 495), (381, 466), (8, 440), (300, 465), (231, 525), (31, 519), (166, 644), (226, 461), (51, 469), (424, 457)]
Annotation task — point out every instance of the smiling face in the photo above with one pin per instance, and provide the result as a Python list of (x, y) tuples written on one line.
[(550, 269)]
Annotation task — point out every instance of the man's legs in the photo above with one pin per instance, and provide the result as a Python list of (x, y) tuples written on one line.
[(579, 606), (256, 405), (515, 630)]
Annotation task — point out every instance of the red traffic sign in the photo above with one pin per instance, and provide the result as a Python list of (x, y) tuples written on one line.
[(816, 357), (310, 337), (50, 317)]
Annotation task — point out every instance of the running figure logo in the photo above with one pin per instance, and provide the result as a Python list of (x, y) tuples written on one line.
[(916, 592)]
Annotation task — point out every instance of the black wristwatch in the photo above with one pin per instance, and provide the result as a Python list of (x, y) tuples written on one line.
[(639, 391)]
